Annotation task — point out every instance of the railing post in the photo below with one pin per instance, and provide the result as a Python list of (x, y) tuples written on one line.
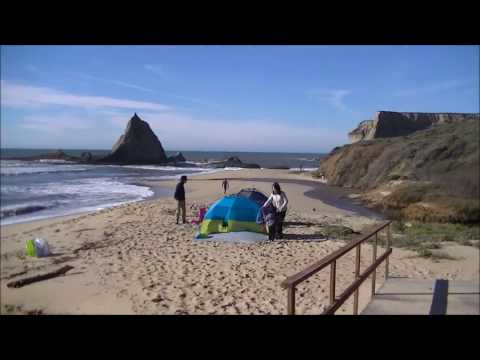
[(374, 258), (357, 273), (291, 300), (389, 236), (333, 270)]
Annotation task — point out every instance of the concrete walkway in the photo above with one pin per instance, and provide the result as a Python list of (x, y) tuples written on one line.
[(403, 296)]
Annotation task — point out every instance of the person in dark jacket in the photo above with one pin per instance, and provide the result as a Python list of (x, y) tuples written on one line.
[(180, 197)]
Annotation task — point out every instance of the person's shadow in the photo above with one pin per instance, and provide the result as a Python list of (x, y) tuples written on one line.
[(302, 237), (300, 223)]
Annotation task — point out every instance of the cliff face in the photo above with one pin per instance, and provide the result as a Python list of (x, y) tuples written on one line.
[(362, 132), (138, 145), (391, 124), (441, 163)]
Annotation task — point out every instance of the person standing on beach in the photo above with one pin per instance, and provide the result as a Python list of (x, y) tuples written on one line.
[(279, 201), (225, 186), (180, 197)]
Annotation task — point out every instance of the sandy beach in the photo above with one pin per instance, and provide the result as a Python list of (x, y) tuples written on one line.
[(134, 259)]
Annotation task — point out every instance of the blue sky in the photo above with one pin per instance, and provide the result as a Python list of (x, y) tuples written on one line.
[(237, 98)]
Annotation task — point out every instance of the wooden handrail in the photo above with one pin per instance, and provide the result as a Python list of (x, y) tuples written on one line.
[(292, 281), (319, 265), (356, 284)]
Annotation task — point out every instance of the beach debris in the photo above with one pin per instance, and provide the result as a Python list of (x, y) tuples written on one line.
[(64, 259), (36, 278), (88, 246), (15, 274), (34, 312), (85, 229), (338, 231), (37, 248)]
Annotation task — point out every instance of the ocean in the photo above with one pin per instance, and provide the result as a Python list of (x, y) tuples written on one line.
[(33, 190)]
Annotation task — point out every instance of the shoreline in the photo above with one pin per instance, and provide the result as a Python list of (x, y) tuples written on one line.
[(160, 188), (331, 195), (159, 191)]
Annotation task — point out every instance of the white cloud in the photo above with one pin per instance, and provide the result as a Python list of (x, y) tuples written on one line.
[(64, 130), (80, 125), (332, 96), (433, 88), (141, 88), (131, 86), (22, 96), (179, 131), (116, 82), (56, 124)]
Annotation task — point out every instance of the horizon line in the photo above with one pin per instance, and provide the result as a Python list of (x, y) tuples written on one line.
[(177, 150)]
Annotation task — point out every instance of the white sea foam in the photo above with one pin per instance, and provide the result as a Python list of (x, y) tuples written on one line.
[(96, 186), (70, 197), (304, 169), (60, 212), (13, 168), (55, 161)]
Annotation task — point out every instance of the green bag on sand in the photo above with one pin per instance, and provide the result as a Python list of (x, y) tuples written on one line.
[(30, 247)]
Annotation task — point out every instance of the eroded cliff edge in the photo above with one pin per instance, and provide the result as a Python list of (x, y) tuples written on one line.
[(428, 175)]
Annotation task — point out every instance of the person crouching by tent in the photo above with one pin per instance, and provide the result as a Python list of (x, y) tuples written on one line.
[(225, 186), (267, 216), (279, 201), (180, 197)]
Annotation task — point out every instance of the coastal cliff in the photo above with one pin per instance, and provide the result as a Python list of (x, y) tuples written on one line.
[(386, 124), (429, 175)]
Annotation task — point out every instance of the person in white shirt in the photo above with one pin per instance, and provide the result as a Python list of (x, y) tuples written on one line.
[(279, 201)]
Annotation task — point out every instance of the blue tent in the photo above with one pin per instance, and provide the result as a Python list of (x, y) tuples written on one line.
[(232, 213)]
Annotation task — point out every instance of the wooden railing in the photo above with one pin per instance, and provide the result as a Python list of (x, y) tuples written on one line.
[(291, 282)]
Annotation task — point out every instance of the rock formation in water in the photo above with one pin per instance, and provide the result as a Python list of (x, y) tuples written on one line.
[(86, 156), (178, 157), (232, 161), (138, 145), (391, 124), (429, 175), (54, 155)]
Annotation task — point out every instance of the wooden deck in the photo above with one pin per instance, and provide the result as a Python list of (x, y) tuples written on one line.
[(403, 296)]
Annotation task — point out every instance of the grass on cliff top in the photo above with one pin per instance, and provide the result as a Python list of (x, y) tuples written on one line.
[(427, 238), (406, 203)]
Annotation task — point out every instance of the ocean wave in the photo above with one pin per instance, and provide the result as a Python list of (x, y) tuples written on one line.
[(55, 161), (15, 168), (95, 186), (304, 169), (22, 209), (162, 168), (52, 213), (71, 197), (306, 159)]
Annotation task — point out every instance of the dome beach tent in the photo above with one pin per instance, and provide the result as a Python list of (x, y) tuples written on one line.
[(254, 195), (233, 213)]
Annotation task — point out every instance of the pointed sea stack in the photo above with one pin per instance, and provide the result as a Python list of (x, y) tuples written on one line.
[(138, 145)]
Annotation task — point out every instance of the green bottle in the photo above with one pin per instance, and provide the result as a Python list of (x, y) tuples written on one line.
[(30, 247)]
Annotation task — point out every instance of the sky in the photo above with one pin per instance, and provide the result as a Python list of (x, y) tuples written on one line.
[(224, 98)]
